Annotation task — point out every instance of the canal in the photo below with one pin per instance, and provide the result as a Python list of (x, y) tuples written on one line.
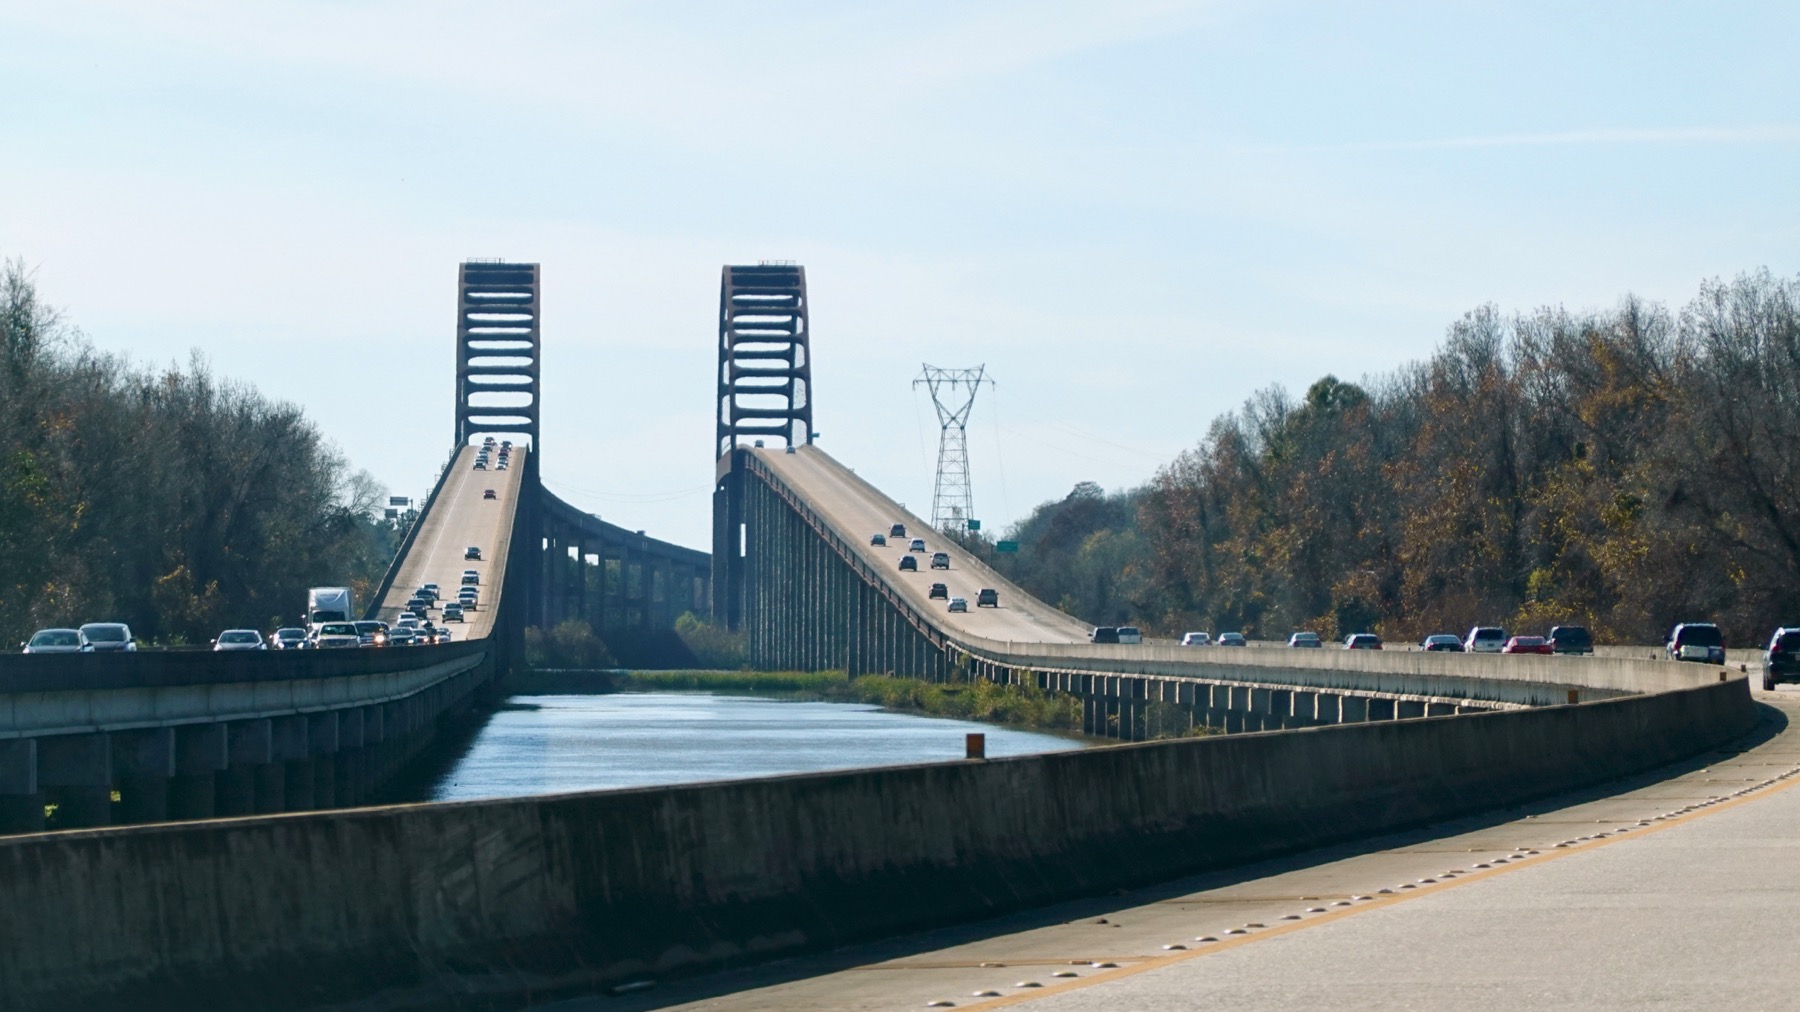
[(551, 744)]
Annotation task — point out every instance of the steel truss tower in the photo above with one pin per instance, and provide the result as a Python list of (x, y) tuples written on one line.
[(497, 350), (953, 394)]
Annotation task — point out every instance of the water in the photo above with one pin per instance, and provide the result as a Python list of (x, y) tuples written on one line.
[(550, 744)]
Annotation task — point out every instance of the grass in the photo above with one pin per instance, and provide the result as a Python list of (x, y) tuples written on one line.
[(991, 702)]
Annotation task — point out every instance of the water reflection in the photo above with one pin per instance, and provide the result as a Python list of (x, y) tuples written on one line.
[(549, 744)]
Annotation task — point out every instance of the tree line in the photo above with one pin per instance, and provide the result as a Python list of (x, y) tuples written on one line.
[(1625, 470), (165, 498)]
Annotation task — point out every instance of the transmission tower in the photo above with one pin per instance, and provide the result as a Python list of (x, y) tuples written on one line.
[(953, 393)]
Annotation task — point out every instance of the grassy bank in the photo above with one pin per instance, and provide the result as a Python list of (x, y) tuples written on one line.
[(1017, 705)]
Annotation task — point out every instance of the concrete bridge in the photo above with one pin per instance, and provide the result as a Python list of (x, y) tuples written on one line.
[(430, 904), (145, 737)]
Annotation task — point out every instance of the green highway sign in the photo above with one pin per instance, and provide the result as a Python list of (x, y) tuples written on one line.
[(974, 525), (1007, 546)]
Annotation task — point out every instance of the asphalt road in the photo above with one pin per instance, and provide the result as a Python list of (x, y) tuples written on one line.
[(459, 518), (1679, 889)]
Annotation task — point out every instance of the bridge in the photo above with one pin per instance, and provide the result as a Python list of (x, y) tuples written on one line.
[(592, 891)]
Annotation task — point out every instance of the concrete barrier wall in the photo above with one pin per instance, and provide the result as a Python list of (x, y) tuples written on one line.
[(430, 902)]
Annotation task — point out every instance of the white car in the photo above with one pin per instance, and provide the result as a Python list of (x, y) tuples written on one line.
[(338, 634), (1130, 634), (241, 639), (470, 578), (1196, 639), (1485, 639)]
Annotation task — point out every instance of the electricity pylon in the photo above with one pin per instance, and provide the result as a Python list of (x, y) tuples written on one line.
[(953, 394)]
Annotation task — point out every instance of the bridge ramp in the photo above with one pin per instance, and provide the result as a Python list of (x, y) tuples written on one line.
[(856, 510), (458, 518)]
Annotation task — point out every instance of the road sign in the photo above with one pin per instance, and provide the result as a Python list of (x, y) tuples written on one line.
[(974, 525), (1007, 546)]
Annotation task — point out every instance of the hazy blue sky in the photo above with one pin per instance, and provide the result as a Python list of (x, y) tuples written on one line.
[(1135, 213)]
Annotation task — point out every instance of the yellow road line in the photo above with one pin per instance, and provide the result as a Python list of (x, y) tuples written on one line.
[(1158, 962)]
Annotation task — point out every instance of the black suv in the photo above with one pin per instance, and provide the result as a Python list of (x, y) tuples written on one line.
[(1571, 639), (988, 598), (1104, 634), (1781, 661), (909, 563), (939, 592), (897, 531)]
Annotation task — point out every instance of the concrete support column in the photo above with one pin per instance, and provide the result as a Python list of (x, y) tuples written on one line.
[(21, 805), (143, 765), (1328, 708), (292, 754), (350, 781), (75, 772), (200, 753), (322, 733), (249, 746)]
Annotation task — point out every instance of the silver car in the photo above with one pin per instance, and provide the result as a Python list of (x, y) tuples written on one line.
[(57, 641), (109, 637), (240, 639)]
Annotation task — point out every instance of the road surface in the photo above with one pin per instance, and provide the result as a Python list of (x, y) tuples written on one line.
[(462, 517)]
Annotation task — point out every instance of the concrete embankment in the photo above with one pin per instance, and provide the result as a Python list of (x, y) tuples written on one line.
[(434, 905)]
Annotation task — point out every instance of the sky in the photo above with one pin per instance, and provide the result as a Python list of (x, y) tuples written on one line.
[(1135, 214)]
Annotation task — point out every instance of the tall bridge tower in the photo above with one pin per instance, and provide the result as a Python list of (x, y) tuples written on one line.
[(764, 392), (497, 350)]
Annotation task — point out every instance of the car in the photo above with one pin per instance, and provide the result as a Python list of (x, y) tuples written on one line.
[(1571, 639), (916, 545), (1781, 659), (404, 637), (959, 604), (987, 597), (938, 591), (468, 601), (502, 466), (878, 540), (1104, 634), (1696, 641), (418, 605), (488, 493), (432, 590), (940, 560), (1306, 641), (1527, 645), (453, 613), (1442, 643), (239, 639), (897, 531), (481, 465), (57, 641), (407, 620), (1362, 641), (1196, 639), (109, 637), (1233, 639), (443, 636), (372, 634), (472, 554), (1130, 634), (908, 564), (289, 638), (471, 578), (1485, 639)]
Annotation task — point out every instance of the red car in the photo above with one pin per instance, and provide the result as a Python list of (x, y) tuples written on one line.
[(1528, 645)]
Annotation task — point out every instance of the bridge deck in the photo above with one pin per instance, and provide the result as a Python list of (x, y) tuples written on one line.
[(857, 510), (460, 517)]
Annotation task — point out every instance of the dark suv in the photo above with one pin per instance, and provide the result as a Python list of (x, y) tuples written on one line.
[(1696, 641), (939, 592), (1781, 661), (1571, 639), (1104, 634)]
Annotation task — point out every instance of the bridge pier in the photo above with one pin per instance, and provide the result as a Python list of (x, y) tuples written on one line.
[(200, 753), (143, 767), (21, 806), (76, 772)]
